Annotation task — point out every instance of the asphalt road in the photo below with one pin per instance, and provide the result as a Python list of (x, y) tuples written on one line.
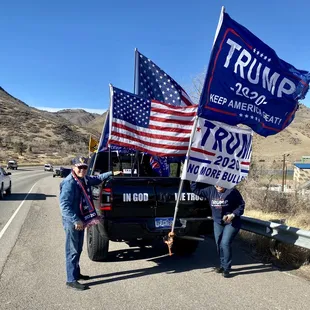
[(33, 275)]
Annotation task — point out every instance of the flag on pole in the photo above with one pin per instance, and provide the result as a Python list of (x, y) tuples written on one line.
[(154, 83), (220, 154), (248, 83), (160, 166), (149, 125), (103, 145), (93, 144)]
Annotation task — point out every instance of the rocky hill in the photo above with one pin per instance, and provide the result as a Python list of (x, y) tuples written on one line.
[(294, 140), (97, 123), (77, 116), (31, 135), (92, 121)]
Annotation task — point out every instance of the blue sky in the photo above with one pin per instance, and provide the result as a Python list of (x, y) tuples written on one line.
[(63, 54)]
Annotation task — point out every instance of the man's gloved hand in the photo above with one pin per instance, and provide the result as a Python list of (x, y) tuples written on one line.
[(79, 225), (228, 218)]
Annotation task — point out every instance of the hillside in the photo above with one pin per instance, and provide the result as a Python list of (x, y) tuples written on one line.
[(97, 123), (91, 121), (294, 140), (55, 137), (77, 116), (32, 135)]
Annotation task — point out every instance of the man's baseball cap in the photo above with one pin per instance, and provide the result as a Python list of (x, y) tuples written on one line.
[(80, 162)]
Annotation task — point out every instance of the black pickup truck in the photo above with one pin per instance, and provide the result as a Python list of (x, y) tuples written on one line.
[(138, 207)]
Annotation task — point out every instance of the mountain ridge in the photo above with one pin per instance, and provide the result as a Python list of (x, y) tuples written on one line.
[(66, 132)]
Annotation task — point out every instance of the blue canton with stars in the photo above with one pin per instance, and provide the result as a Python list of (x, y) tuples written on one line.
[(154, 83), (130, 108)]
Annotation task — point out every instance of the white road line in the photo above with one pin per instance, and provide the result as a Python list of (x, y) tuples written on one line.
[(14, 214)]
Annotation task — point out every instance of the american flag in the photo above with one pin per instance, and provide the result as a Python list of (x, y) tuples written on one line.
[(154, 83), (149, 125)]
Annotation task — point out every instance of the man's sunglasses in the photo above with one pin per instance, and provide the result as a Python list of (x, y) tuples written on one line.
[(82, 167)]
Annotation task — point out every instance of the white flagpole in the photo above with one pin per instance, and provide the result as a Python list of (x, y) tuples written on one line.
[(192, 135), (182, 181), (219, 25)]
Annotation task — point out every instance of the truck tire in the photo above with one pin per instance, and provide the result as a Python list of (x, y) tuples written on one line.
[(184, 247), (1, 192), (9, 189), (97, 245)]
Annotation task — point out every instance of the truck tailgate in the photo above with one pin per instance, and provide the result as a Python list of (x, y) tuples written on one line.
[(150, 197)]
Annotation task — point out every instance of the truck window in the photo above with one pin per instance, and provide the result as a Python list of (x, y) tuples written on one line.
[(130, 163)]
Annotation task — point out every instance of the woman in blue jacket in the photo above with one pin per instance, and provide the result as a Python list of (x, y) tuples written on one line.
[(227, 206)]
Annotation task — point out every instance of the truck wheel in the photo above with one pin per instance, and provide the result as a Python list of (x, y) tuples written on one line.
[(9, 190), (184, 247), (1, 192), (97, 245)]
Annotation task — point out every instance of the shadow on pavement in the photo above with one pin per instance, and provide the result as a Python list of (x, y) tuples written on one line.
[(205, 258), (31, 196)]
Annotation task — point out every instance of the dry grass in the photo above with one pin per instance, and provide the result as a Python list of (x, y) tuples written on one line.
[(278, 253), (291, 209), (299, 220)]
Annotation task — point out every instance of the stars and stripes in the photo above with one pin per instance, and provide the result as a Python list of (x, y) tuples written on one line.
[(154, 83), (149, 125)]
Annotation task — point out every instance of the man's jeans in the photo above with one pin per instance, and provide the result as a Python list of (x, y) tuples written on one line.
[(224, 235), (74, 246)]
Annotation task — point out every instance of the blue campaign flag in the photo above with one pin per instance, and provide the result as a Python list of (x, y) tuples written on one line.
[(154, 83), (103, 143), (160, 166), (247, 83)]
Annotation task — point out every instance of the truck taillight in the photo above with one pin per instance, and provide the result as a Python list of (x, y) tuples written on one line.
[(106, 199)]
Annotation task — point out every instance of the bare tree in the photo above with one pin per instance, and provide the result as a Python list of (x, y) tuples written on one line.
[(197, 86), (20, 147)]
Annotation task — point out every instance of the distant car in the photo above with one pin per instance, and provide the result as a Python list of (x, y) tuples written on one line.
[(5, 182), (62, 172), (12, 164), (48, 167)]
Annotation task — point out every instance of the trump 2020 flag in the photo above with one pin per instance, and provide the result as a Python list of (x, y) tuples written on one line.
[(154, 83), (149, 125), (160, 166), (248, 83), (220, 154)]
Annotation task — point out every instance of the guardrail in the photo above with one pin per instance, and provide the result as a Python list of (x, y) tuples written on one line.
[(286, 234)]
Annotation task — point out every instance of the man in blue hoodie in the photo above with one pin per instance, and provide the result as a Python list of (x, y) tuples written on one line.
[(227, 206), (75, 189)]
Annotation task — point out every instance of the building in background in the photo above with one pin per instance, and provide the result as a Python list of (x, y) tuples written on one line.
[(301, 174), (305, 159)]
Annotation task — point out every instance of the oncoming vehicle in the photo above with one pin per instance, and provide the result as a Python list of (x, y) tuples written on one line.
[(62, 172), (12, 164), (5, 182), (48, 167)]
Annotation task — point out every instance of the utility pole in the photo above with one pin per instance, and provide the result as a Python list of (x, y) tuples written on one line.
[(284, 171)]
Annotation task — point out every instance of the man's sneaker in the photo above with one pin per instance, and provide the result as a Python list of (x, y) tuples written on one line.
[(226, 274), (76, 286), (83, 277), (219, 269)]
